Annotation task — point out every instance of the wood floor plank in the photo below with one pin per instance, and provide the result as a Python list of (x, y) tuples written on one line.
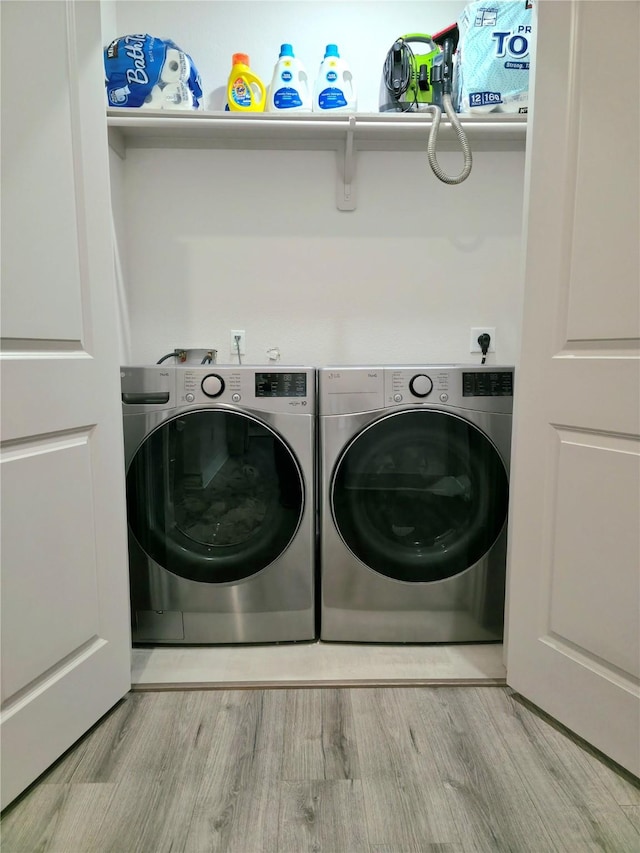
[(78, 827), (237, 804), (406, 802), (322, 816), (577, 806), (320, 738), (134, 738), (491, 803), (590, 765), (386, 732), (151, 817), (423, 848), (633, 815), (57, 819), (406, 815), (182, 751)]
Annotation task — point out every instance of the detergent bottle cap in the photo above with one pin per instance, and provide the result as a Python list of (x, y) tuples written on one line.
[(332, 50), (286, 50), (240, 59)]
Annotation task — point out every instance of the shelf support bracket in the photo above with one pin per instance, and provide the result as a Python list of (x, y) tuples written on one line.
[(346, 189)]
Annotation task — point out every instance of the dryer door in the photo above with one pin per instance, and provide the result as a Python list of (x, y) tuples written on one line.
[(420, 495), (214, 496)]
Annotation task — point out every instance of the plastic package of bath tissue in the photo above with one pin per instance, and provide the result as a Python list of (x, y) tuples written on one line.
[(144, 71), (176, 67), (171, 96), (493, 56)]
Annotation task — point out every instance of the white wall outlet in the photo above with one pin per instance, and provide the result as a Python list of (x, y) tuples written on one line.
[(474, 346), (234, 345)]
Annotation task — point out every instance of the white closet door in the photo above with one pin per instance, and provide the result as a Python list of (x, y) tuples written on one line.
[(65, 624), (574, 556)]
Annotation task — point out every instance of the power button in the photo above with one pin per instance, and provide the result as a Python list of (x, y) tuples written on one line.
[(190, 398)]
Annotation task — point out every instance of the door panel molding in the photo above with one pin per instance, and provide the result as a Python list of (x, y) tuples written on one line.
[(34, 347), (583, 658), (79, 165), (600, 348), (46, 679)]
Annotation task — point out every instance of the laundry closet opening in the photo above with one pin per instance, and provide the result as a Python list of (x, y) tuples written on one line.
[(217, 233)]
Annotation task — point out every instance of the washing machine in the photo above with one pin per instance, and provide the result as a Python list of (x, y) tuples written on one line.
[(220, 502), (414, 489)]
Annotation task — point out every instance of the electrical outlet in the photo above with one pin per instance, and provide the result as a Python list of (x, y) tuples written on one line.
[(474, 346), (234, 345)]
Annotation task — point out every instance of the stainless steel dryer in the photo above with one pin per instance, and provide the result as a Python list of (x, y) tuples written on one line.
[(220, 502), (413, 502)]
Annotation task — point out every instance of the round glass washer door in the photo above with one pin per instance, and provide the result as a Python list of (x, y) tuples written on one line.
[(214, 496), (420, 496)]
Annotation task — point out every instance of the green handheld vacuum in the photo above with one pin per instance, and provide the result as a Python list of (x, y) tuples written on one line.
[(424, 82), (407, 74)]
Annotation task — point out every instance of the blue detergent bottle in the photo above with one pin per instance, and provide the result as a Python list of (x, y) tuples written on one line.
[(334, 90), (289, 90)]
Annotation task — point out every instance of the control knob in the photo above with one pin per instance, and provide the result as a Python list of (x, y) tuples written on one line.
[(212, 385), (421, 385)]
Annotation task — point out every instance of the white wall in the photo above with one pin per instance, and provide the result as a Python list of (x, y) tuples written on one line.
[(221, 240)]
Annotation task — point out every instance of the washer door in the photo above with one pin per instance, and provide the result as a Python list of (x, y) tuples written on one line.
[(214, 496), (420, 495)]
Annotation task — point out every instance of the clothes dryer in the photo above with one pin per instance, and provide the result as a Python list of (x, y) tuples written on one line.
[(220, 502), (414, 489)]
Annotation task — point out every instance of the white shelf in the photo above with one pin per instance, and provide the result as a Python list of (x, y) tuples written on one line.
[(144, 128), (344, 133)]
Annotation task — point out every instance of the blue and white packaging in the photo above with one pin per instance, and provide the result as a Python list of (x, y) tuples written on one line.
[(493, 57), (139, 67)]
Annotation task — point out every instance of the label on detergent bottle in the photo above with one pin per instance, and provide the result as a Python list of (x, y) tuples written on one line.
[(286, 97), (331, 98), (241, 93)]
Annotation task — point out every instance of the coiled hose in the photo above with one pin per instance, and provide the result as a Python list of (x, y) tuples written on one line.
[(438, 171), (397, 76)]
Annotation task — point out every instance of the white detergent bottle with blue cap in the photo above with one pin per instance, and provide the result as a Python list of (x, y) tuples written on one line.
[(289, 91), (334, 90)]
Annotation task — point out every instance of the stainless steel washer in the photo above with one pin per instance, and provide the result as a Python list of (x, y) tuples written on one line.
[(413, 502), (220, 502)]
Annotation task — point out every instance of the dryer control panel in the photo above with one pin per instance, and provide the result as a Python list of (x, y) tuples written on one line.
[(349, 390), (479, 388)]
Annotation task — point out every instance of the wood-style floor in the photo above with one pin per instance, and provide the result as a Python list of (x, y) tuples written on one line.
[(382, 770)]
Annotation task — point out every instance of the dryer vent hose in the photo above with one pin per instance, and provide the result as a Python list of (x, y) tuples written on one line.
[(438, 171)]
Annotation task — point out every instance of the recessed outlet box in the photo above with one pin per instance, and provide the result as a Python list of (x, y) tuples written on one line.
[(237, 344), (474, 346)]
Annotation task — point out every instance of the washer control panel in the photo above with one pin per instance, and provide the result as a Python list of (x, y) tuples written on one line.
[(288, 389)]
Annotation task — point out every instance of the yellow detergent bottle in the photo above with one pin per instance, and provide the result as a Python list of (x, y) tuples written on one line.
[(245, 92)]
